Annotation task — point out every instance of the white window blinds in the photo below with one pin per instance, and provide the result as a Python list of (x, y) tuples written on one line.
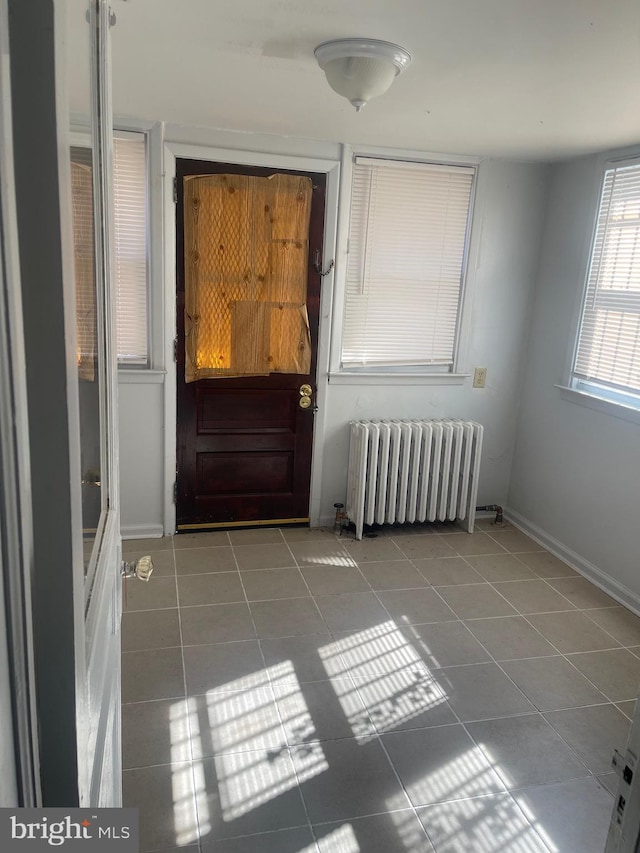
[(608, 353), (130, 227), (407, 240)]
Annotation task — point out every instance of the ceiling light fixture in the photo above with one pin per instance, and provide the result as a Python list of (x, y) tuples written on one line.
[(361, 69)]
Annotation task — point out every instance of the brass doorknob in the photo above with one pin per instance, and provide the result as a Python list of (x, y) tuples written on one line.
[(306, 390)]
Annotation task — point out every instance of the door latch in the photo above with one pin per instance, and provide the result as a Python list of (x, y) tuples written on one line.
[(140, 569)]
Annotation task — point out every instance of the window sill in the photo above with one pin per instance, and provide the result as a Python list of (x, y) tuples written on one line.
[(599, 404), (129, 376), (354, 378)]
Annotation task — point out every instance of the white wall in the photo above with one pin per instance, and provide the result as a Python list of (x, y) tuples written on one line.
[(141, 402), (507, 226), (505, 243), (574, 482)]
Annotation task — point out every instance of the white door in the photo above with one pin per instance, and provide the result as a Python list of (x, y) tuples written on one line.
[(89, 138), (58, 56)]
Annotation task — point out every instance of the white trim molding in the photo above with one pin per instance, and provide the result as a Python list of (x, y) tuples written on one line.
[(142, 531), (597, 576), (329, 167)]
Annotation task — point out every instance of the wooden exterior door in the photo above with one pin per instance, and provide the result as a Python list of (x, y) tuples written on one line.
[(245, 443)]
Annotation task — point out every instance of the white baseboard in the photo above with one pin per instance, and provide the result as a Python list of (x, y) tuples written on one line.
[(142, 531), (597, 576)]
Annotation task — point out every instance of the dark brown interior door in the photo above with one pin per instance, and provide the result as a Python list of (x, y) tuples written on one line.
[(244, 443)]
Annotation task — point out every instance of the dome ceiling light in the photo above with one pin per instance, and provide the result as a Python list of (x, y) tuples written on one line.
[(360, 69)]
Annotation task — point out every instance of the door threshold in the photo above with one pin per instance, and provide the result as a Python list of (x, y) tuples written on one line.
[(268, 522)]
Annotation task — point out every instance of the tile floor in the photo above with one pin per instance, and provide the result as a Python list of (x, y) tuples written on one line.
[(287, 691)]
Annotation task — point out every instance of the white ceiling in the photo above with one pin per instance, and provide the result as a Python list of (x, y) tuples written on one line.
[(533, 79)]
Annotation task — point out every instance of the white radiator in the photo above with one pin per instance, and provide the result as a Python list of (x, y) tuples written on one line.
[(408, 471)]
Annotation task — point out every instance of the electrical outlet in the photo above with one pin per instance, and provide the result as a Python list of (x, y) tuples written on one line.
[(479, 377)]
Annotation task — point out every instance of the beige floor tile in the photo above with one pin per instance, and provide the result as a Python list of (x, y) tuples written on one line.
[(582, 593), (393, 574), (526, 751), (397, 832), (476, 601), (224, 667), (628, 708), (447, 571), (216, 623), (472, 544), (150, 629), (200, 540), (572, 631), (293, 660), (500, 567), (610, 782), (220, 588), (155, 733), (359, 779), (510, 638), (545, 565), (515, 541), (619, 622), (435, 765), (268, 556), (260, 790), (373, 549), (193, 561), (155, 594), (552, 683), (308, 534), (287, 618), (616, 673), (154, 674), (399, 701), (322, 710), (365, 654), (492, 824), (423, 547), (258, 536), (593, 733), (280, 841), (445, 644), (534, 596), (331, 580), (165, 799), (235, 721), (273, 583), (353, 610), (416, 605), (162, 543), (481, 692), (322, 552), (572, 815)]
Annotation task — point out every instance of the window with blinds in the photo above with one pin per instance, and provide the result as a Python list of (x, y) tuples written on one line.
[(407, 244), (130, 255), (607, 361)]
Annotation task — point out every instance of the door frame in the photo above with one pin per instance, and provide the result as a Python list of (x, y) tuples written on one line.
[(330, 168)]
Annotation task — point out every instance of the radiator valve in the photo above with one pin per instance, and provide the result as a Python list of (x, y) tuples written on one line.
[(341, 521)]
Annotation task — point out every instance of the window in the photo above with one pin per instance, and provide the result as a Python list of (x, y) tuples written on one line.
[(407, 240), (607, 359), (130, 248)]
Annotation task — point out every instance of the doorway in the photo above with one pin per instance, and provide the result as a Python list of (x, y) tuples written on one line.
[(245, 426)]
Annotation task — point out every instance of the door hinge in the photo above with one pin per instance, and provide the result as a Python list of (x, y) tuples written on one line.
[(175, 190), (175, 491), (175, 349)]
